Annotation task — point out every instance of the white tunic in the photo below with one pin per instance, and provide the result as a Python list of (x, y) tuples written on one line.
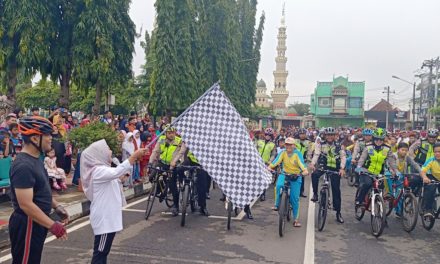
[(108, 198)]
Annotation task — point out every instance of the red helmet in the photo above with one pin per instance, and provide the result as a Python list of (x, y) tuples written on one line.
[(35, 125)]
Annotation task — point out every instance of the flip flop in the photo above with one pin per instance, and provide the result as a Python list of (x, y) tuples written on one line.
[(296, 224)]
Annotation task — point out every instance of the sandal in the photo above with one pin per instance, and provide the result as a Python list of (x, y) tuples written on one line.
[(274, 208), (296, 223)]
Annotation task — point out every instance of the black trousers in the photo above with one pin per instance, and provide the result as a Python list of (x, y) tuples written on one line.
[(335, 181), (173, 183), (101, 247), (365, 183), (201, 184), (208, 183), (429, 195), (27, 239)]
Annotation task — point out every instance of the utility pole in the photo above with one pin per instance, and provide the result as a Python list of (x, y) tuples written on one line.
[(437, 62), (414, 107), (387, 91)]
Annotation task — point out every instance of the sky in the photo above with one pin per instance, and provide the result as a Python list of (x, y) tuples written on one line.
[(365, 40)]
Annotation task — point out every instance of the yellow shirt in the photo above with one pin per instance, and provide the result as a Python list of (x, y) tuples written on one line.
[(292, 164), (432, 166)]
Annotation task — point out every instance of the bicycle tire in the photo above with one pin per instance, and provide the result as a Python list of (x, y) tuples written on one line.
[(351, 179), (427, 222), (193, 199), (150, 201), (228, 226), (169, 201), (378, 220), (282, 211), (410, 212), (359, 211), (388, 203), (323, 208), (185, 198)]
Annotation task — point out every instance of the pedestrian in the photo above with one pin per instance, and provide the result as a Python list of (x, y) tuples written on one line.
[(31, 195), (102, 185), (56, 175)]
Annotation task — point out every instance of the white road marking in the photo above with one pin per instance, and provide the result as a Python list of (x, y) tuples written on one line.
[(309, 252), (136, 202), (133, 210)]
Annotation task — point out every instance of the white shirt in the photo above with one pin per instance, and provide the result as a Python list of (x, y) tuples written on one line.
[(108, 198)]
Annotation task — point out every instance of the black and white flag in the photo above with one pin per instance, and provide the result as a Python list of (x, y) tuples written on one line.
[(213, 130)]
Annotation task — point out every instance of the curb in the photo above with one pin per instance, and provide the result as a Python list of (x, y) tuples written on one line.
[(80, 209)]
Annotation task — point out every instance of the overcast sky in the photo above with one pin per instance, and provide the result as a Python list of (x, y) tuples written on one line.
[(365, 40)]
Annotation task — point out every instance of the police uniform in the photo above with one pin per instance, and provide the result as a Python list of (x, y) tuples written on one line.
[(422, 151)]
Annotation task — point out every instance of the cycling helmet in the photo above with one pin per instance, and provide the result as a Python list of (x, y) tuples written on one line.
[(302, 131), (367, 132), (379, 133), (169, 128), (432, 132), (268, 131), (35, 125), (330, 131)]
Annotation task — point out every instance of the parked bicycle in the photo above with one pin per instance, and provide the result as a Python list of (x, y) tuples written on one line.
[(428, 221), (374, 203), (160, 189), (409, 202)]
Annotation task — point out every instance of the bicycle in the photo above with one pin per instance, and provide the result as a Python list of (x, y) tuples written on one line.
[(160, 189), (410, 206), (230, 207), (374, 203), (428, 222), (351, 176), (188, 189), (324, 198), (285, 210)]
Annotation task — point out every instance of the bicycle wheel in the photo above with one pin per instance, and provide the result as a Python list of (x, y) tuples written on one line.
[(378, 216), (150, 200), (359, 211), (323, 207), (194, 199), (351, 179), (282, 211), (169, 198), (388, 203), (229, 215), (185, 199), (410, 212), (428, 222)]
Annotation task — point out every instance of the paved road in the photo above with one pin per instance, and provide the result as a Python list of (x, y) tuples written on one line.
[(206, 240), (203, 240)]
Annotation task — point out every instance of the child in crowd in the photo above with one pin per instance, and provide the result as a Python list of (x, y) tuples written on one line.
[(16, 139), (137, 145), (281, 145), (56, 175), (146, 138)]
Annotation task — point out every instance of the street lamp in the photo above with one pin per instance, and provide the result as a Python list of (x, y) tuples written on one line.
[(413, 100)]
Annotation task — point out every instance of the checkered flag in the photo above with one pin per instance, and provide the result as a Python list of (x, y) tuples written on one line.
[(213, 130)]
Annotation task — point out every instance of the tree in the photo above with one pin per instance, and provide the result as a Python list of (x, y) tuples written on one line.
[(301, 108), (24, 39), (42, 95), (107, 37), (173, 85)]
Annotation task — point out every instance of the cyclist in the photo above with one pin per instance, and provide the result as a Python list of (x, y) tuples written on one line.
[(303, 145), (202, 175), (330, 155), (267, 150), (292, 163), (422, 150), (374, 158), (359, 148), (281, 137), (430, 171), (166, 148)]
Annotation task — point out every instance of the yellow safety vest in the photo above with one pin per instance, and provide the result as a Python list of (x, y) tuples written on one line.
[(376, 159), (167, 150), (265, 149)]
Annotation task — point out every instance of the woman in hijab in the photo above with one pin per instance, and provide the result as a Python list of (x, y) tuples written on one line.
[(102, 186), (127, 146)]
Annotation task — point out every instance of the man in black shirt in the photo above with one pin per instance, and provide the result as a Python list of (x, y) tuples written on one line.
[(31, 195)]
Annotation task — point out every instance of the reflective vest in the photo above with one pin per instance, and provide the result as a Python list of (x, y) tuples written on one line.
[(167, 149), (330, 156), (265, 149), (303, 147), (376, 159), (192, 158), (424, 152)]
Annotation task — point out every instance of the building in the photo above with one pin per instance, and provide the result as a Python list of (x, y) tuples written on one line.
[(397, 119), (261, 97), (338, 103), (280, 93)]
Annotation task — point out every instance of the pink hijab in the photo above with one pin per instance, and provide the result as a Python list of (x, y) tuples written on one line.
[(97, 154)]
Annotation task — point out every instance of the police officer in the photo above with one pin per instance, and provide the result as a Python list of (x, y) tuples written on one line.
[(31, 195), (374, 158), (267, 150), (167, 147), (304, 146), (330, 155), (423, 149), (361, 143)]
